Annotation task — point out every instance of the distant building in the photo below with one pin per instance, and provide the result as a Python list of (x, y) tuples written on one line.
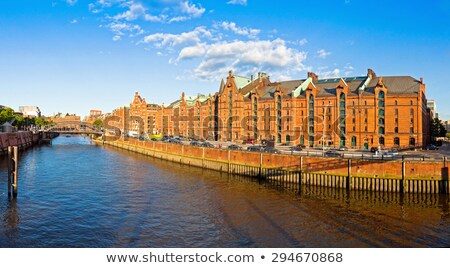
[(30, 111), (431, 104), (447, 125), (93, 115), (60, 118)]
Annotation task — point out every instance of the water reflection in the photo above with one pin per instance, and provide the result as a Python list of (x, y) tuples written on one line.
[(76, 194)]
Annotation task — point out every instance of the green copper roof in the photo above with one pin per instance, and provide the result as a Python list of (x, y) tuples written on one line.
[(241, 81), (301, 88)]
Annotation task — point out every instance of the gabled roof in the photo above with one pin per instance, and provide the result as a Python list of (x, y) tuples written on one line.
[(241, 81), (399, 84)]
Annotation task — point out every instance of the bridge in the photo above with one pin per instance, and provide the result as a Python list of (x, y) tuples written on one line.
[(73, 127)]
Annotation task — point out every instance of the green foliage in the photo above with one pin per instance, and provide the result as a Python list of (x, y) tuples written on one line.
[(41, 122), (6, 115), (437, 128), (98, 123)]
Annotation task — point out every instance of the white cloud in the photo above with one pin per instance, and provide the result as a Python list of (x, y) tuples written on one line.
[(191, 9), (135, 10), (192, 52), (74, 21), (348, 69), (165, 39), (324, 73), (303, 42), (120, 29), (231, 26), (71, 2), (244, 57), (323, 53), (237, 2)]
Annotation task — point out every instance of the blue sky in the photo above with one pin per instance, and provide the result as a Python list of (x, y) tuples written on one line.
[(76, 55)]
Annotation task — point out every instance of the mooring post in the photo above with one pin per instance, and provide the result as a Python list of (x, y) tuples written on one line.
[(9, 170), (402, 184), (349, 175), (16, 175), (300, 172)]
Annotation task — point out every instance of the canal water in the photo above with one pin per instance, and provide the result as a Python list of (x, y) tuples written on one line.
[(76, 194)]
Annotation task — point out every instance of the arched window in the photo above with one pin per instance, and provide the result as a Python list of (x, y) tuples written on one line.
[(342, 142), (353, 141), (397, 141), (255, 118), (381, 140), (288, 139), (381, 121), (279, 115), (311, 120), (381, 95), (381, 130), (342, 107), (396, 103), (412, 141)]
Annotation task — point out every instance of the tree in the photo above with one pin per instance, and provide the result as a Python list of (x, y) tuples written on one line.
[(98, 123), (6, 115), (41, 122), (437, 128)]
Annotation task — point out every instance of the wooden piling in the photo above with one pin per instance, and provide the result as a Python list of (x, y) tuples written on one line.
[(349, 174), (9, 162), (13, 176), (402, 184)]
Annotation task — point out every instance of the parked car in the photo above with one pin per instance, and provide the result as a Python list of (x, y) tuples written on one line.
[(298, 147), (254, 148), (207, 145), (249, 141), (268, 143), (391, 153), (234, 147), (343, 148), (374, 149), (195, 143), (271, 150), (332, 154), (176, 141), (432, 147)]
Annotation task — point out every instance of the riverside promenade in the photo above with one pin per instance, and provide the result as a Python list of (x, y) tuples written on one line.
[(406, 176)]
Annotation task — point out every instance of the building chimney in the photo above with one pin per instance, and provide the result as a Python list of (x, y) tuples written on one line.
[(421, 80), (313, 76), (371, 73)]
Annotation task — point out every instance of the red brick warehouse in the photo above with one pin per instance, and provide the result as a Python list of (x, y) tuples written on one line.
[(356, 112)]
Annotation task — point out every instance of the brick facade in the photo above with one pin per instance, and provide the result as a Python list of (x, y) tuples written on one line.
[(356, 112)]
